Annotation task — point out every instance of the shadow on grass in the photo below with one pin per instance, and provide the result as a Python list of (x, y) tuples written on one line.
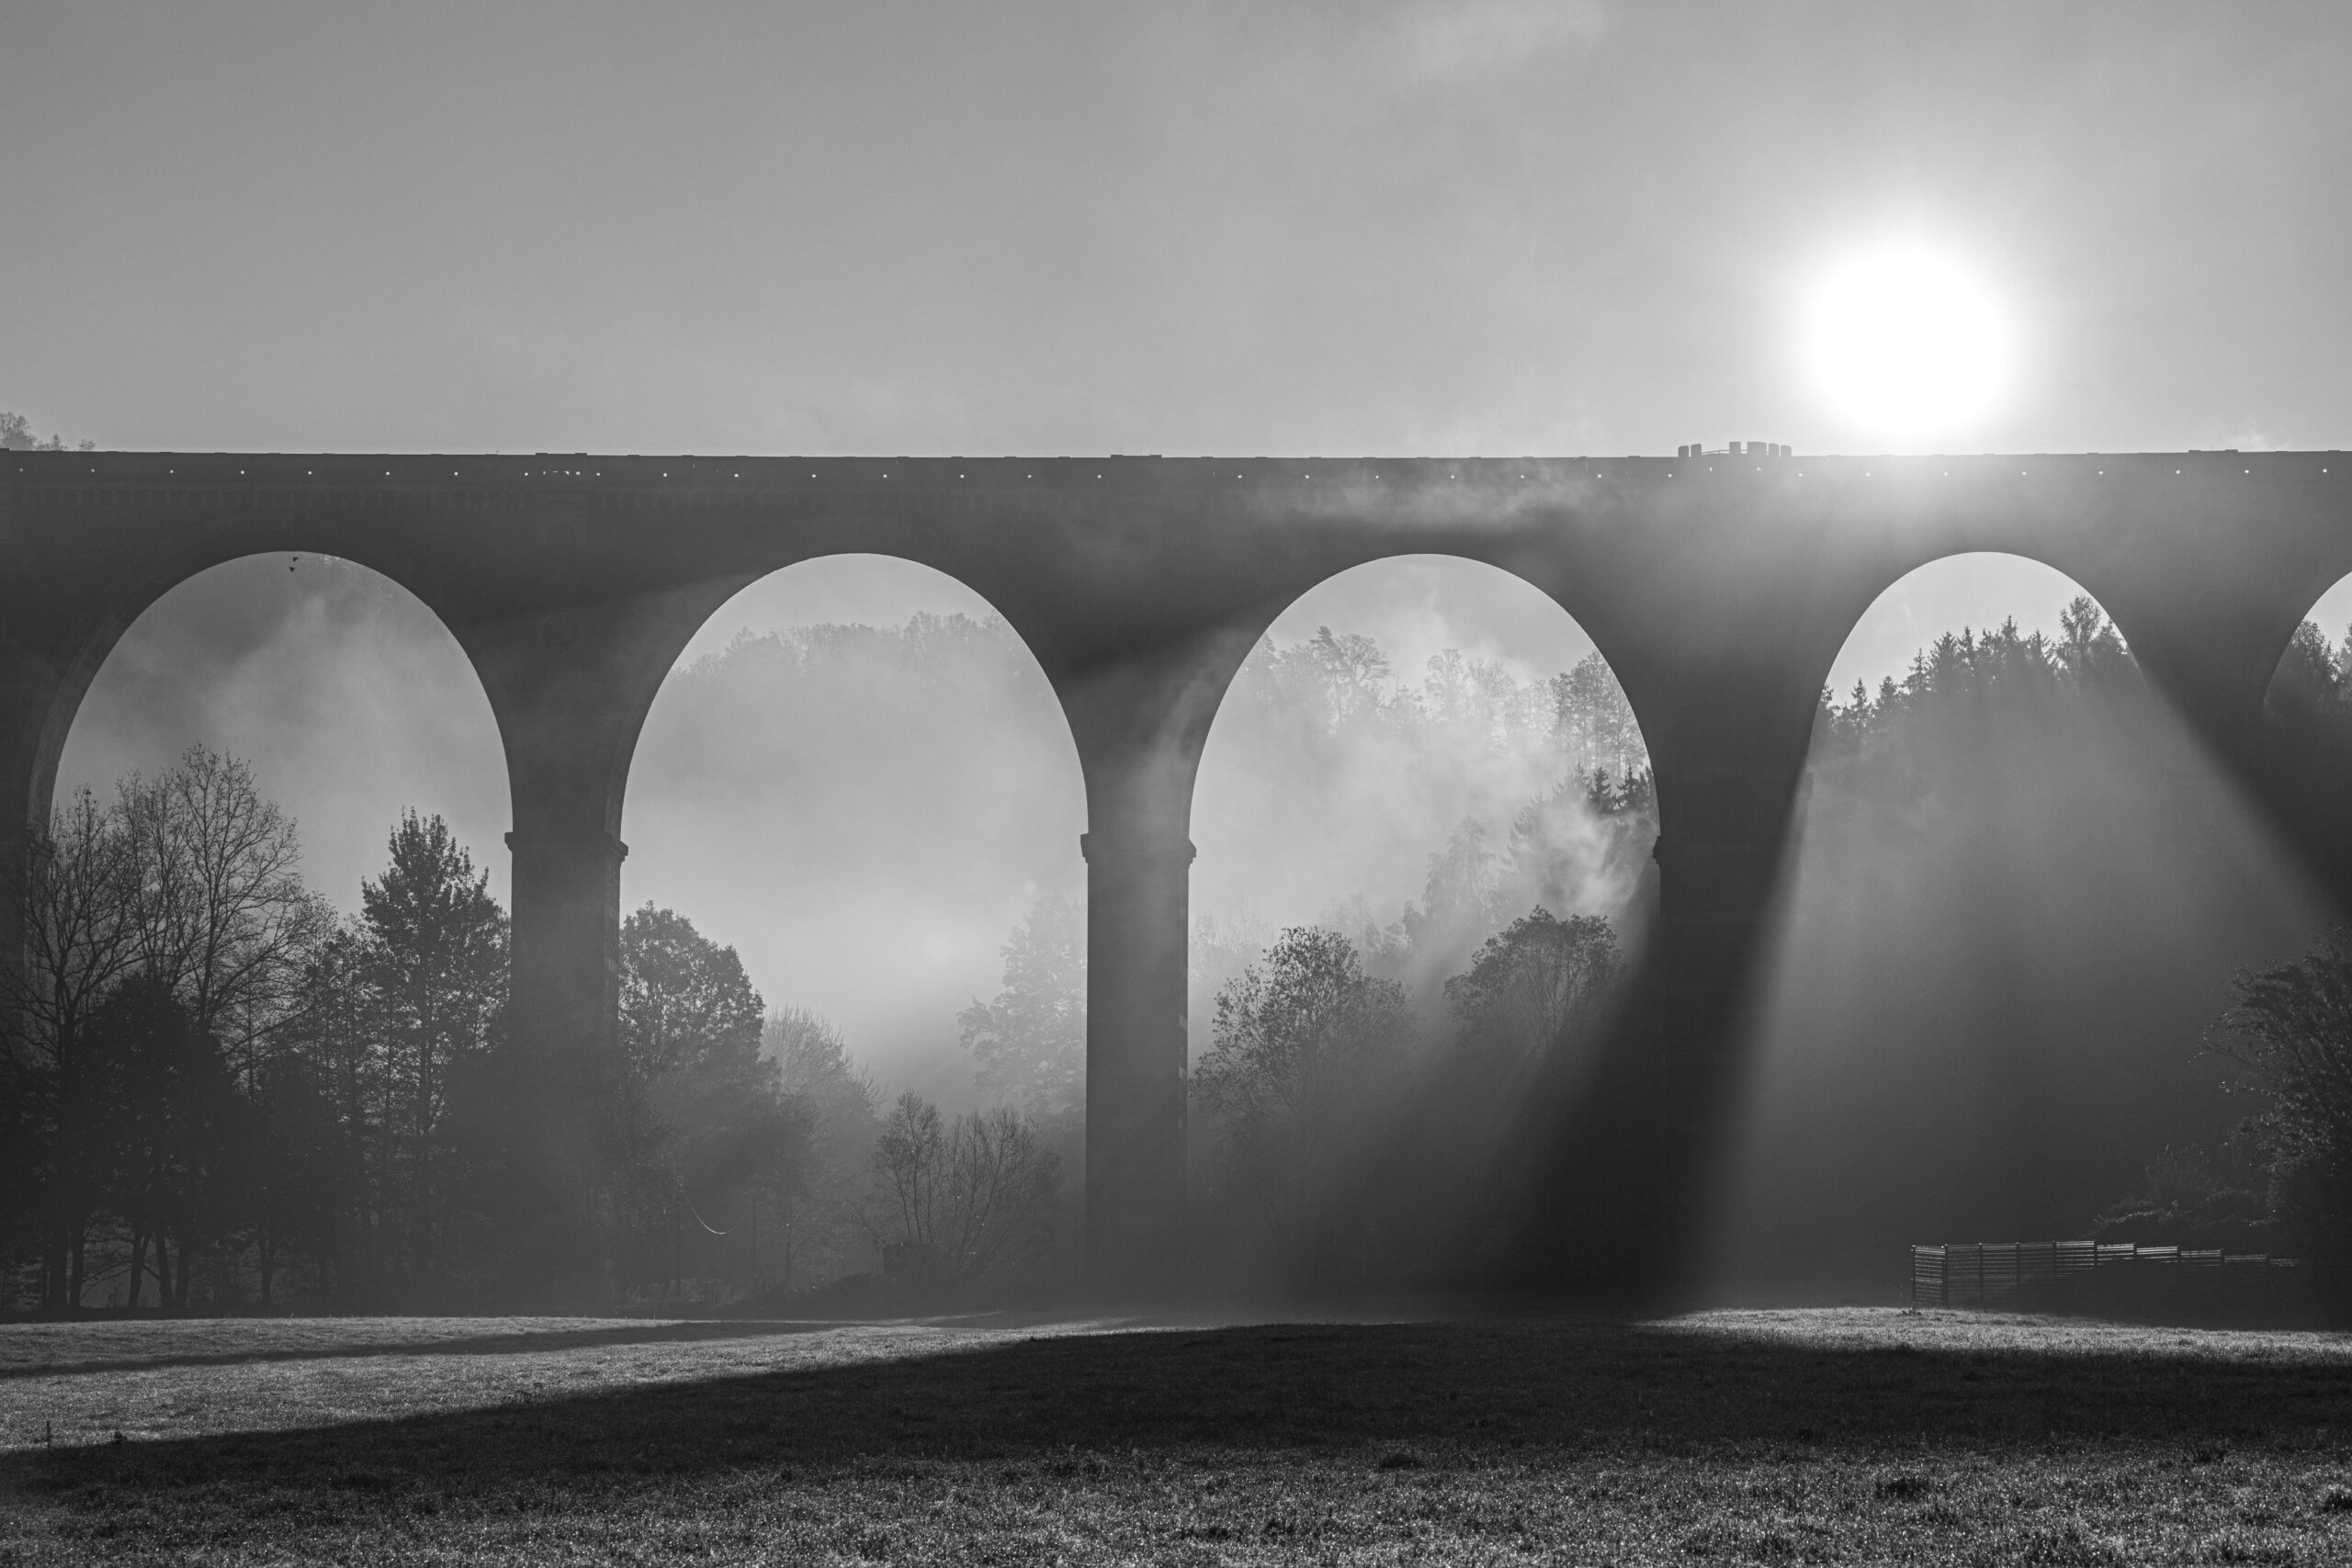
[(465, 1345), (1409, 1394)]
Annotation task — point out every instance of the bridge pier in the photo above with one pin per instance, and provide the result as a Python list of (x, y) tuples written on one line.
[(1627, 1158), (1137, 915), (1141, 722), (563, 997), (570, 685)]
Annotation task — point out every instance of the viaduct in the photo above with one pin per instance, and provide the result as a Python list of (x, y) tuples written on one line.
[(1719, 589)]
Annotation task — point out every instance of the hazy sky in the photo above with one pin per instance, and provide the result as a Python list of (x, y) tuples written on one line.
[(1480, 226)]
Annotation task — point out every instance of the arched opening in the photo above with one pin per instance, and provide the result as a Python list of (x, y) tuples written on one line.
[(1425, 801), (224, 942), (859, 782), (2304, 749), (2020, 890), (351, 699)]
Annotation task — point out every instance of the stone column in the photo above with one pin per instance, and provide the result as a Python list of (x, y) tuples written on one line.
[(565, 989), (562, 1002), (1140, 719), (1633, 1150), (571, 688), (1137, 915)]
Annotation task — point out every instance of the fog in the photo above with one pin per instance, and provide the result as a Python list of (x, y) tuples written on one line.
[(1339, 828), (350, 699), (864, 814), (1981, 1020), (866, 824), (1280, 848), (2001, 947)]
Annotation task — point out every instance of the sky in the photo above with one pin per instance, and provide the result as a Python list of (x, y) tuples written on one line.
[(1484, 226)]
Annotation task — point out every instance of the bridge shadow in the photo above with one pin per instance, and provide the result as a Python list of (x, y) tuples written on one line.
[(1438, 1395)]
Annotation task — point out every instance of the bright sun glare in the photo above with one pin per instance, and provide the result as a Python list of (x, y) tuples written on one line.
[(1905, 343)]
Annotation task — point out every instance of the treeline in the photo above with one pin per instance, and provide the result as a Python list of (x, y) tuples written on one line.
[(2280, 1180), (1349, 1099), (221, 1095), (1530, 790), (1353, 1074), (17, 436), (2018, 890), (1360, 1074)]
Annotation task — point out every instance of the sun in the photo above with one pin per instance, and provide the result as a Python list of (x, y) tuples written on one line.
[(1905, 343)]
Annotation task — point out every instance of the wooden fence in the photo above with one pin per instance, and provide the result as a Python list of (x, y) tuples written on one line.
[(2157, 1283)]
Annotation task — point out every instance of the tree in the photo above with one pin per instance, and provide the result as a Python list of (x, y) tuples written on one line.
[(1351, 668), (175, 1126), (335, 1035), (2190, 1197), (832, 1103), (75, 890), (1593, 726), (1030, 1041), (697, 1112), (1300, 1044), (221, 914), (685, 1002), (299, 1170), (2290, 1031), (17, 436), (1533, 986), (432, 953), (961, 1202)]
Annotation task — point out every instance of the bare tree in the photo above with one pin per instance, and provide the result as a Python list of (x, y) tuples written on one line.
[(74, 890), (971, 1199), (222, 915)]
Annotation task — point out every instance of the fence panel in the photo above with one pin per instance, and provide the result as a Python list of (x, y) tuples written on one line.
[(2120, 1280)]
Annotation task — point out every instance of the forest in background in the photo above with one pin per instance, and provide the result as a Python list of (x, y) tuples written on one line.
[(228, 1092)]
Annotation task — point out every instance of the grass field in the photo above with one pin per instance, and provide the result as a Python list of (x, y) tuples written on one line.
[(1848, 1436)]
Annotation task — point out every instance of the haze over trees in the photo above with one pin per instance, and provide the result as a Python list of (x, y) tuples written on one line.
[(219, 1091), (2018, 892), (17, 436), (222, 1089)]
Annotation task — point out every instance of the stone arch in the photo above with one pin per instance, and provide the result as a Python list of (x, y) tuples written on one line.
[(2303, 753), (667, 842), (2330, 611), (1417, 812), (75, 665), (663, 623), (1535, 569), (1864, 593), (2001, 943), (1910, 610), (1468, 596)]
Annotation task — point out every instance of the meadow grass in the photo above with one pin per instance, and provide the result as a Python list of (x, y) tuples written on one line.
[(1846, 1436)]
